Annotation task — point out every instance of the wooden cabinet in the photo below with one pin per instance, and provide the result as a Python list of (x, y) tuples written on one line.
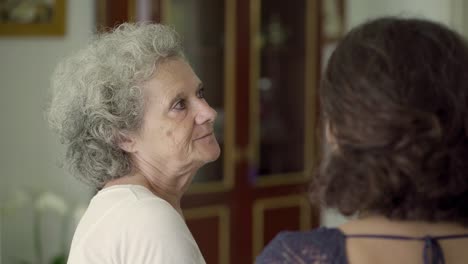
[(259, 61)]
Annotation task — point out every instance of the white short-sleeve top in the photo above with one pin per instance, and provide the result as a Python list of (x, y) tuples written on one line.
[(128, 224)]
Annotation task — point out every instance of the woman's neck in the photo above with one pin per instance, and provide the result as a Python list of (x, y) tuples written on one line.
[(170, 191)]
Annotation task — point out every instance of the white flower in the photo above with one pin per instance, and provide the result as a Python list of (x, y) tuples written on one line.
[(51, 201), (24, 12), (19, 199)]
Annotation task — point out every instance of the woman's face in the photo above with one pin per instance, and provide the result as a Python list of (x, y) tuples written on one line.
[(177, 132)]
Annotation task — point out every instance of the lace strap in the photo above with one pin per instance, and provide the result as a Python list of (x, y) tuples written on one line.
[(432, 253)]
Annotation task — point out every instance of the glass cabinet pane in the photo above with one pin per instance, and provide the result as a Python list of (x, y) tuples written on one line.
[(201, 24), (280, 87)]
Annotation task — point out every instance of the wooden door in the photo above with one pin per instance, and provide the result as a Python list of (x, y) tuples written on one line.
[(259, 61)]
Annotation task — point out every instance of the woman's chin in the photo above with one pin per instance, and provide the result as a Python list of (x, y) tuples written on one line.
[(214, 154), (211, 153), (209, 149)]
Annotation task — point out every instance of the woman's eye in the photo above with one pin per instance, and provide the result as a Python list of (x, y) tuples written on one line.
[(201, 93), (180, 105)]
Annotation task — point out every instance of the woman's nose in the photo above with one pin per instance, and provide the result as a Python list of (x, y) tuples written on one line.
[(205, 113)]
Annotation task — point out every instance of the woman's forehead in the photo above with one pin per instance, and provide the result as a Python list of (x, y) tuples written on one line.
[(172, 78)]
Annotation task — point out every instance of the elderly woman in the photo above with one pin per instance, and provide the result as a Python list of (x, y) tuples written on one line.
[(395, 103), (136, 126)]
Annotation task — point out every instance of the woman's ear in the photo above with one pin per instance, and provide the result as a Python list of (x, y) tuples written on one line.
[(127, 142)]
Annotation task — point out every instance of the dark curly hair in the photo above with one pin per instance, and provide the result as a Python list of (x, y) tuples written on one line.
[(395, 98)]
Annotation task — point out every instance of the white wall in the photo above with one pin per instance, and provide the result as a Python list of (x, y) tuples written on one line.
[(459, 16), (29, 152), (359, 11), (448, 12)]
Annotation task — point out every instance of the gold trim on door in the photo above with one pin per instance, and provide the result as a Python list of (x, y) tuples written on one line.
[(101, 18), (311, 83), (131, 9)]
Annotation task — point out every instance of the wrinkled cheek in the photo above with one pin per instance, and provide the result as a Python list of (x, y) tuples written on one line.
[(178, 147)]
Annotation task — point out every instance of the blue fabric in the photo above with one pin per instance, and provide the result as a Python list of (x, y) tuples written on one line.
[(328, 246), (320, 246)]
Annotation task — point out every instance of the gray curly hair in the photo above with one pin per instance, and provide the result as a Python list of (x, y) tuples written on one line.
[(97, 97)]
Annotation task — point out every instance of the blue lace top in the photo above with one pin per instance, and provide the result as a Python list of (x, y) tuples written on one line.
[(328, 246)]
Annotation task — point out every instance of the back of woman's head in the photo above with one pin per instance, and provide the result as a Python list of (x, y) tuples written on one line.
[(395, 99)]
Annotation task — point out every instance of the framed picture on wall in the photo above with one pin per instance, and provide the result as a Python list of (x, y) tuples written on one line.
[(32, 18)]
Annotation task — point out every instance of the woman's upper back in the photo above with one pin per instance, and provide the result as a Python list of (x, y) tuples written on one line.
[(128, 224), (354, 243), (379, 240)]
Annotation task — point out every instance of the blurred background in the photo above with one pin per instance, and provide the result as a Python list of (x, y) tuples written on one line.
[(261, 62)]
